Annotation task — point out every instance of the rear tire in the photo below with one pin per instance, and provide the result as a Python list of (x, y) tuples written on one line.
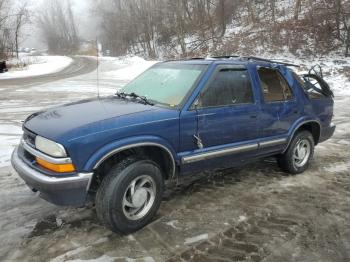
[(130, 195), (297, 157)]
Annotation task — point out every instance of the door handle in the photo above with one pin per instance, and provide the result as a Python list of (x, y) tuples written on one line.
[(253, 116)]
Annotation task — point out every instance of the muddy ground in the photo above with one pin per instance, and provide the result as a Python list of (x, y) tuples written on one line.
[(252, 213)]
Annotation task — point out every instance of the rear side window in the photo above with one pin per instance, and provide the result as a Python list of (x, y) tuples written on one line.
[(229, 87), (274, 86)]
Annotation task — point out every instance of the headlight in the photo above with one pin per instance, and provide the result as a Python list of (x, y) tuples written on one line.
[(49, 147)]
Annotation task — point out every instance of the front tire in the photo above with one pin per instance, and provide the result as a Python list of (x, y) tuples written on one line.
[(297, 157), (130, 195)]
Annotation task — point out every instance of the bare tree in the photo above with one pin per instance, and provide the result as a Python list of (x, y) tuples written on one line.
[(346, 24), (273, 10), (196, 27), (21, 18), (251, 11), (297, 9), (58, 27), (4, 27)]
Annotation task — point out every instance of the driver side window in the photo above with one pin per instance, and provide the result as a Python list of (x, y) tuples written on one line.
[(229, 87)]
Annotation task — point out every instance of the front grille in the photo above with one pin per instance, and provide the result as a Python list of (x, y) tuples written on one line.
[(29, 138), (26, 156)]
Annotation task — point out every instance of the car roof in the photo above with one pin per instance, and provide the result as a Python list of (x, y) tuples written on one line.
[(234, 60)]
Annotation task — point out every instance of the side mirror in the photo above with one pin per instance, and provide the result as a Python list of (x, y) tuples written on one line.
[(196, 103)]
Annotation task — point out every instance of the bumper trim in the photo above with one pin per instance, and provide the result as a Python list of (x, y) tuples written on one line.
[(70, 190)]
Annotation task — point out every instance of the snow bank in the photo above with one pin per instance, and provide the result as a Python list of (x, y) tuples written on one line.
[(37, 65)]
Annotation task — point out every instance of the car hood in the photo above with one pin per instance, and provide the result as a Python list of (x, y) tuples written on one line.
[(81, 117)]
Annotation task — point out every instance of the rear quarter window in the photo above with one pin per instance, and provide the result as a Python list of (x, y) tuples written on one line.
[(274, 87)]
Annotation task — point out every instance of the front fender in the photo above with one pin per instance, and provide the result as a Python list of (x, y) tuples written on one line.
[(119, 145)]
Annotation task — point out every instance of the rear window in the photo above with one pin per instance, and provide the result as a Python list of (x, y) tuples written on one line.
[(274, 86)]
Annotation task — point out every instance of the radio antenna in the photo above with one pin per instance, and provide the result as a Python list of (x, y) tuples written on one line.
[(97, 68)]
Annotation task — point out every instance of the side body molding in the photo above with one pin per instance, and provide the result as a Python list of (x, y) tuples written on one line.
[(118, 146)]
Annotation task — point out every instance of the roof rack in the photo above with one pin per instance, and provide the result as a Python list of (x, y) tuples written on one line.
[(225, 56), (268, 61), (255, 59), (249, 58)]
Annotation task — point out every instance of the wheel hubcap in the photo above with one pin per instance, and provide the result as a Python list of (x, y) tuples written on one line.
[(301, 153), (139, 197)]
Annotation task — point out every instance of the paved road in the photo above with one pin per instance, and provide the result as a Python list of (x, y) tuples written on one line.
[(79, 66), (255, 213)]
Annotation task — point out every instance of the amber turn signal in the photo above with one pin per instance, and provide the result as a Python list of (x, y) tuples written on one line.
[(58, 168)]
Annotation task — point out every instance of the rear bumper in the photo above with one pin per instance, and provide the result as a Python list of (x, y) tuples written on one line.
[(327, 132), (67, 191)]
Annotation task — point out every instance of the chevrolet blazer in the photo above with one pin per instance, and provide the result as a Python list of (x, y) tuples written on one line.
[(177, 118)]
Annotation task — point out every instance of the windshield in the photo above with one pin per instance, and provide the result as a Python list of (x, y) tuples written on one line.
[(166, 83)]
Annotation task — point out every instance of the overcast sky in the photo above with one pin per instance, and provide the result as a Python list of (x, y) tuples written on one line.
[(85, 24)]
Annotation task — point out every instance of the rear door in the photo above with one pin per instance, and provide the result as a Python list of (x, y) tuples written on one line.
[(279, 106)]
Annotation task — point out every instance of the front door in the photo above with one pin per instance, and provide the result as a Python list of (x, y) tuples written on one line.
[(227, 115)]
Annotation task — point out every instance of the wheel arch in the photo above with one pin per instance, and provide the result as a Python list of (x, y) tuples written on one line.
[(313, 126), (155, 148)]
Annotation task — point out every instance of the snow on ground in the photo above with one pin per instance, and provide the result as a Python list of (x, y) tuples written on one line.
[(192, 240), (9, 138), (113, 73), (10, 129), (7, 144), (338, 167), (36, 65)]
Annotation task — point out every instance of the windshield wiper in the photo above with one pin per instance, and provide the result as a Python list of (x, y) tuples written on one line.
[(136, 96), (143, 98), (121, 94)]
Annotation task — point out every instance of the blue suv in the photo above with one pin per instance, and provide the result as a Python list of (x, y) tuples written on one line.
[(177, 118)]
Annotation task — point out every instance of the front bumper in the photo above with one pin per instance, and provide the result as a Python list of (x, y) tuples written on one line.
[(66, 191)]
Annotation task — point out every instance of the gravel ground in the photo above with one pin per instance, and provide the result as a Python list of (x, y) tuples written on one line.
[(253, 213)]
